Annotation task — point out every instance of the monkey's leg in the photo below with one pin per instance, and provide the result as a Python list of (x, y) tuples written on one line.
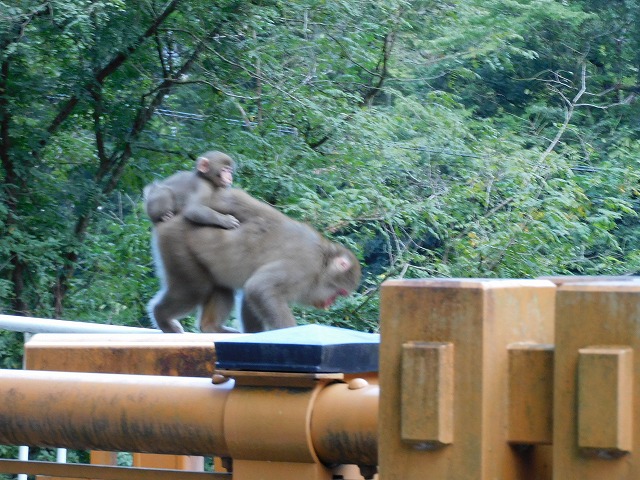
[(159, 202), (216, 310), (265, 303), (166, 307), (251, 322)]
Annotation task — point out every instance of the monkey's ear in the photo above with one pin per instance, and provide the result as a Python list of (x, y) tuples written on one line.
[(341, 263), (203, 164)]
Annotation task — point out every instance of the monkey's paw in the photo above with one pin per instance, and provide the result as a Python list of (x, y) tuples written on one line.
[(231, 222)]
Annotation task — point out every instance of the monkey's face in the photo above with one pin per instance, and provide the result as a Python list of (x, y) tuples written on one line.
[(225, 176), (342, 277), (217, 168)]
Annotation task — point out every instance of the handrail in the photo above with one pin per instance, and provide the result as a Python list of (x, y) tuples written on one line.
[(46, 325), (31, 325), (108, 472)]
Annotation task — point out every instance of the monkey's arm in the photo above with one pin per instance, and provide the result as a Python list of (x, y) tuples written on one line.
[(203, 215), (197, 210)]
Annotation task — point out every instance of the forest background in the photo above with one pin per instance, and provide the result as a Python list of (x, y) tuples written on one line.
[(473, 138)]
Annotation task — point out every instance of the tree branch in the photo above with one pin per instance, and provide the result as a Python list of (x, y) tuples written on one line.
[(382, 71), (19, 27), (571, 105), (13, 184)]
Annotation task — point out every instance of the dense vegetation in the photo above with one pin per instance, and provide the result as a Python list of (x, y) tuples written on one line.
[(475, 138)]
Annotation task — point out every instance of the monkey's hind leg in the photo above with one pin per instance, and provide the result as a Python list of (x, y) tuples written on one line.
[(216, 310), (160, 202), (165, 309)]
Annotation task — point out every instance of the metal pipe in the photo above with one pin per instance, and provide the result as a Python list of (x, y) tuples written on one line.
[(23, 455), (344, 423), (45, 325), (104, 472), (128, 413), (334, 423), (61, 455)]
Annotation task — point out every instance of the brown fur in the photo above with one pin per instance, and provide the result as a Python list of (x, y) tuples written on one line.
[(193, 193), (277, 261)]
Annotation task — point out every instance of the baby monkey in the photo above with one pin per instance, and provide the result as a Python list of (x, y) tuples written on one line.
[(193, 193)]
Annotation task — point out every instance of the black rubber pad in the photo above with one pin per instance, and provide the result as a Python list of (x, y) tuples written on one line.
[(304, 349)]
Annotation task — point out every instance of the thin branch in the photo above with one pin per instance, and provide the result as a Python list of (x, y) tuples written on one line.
[(256, 77), (163, 65), (382, 71), (19, 28), (571, 105), (626, 101)]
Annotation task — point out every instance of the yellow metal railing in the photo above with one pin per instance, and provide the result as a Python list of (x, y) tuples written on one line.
[(479, 379)]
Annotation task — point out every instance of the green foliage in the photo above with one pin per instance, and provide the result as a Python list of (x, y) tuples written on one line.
[(11, 349), (119, 249)]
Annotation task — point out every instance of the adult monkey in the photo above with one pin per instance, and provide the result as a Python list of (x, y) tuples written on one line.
[(277, 261), (193, 192)]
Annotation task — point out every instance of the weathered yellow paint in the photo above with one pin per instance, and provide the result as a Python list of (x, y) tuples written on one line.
[(99, 457), (530, 394), (471, 384), (189, 416), (481, 318), (426, 414), (170, 462), (253, 470), (127, 413), (588, 314), (472, 387), (348, 413), (187, 355), (190, 355), (346, 421), (286, 436), (605, 402), (76, 470)]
